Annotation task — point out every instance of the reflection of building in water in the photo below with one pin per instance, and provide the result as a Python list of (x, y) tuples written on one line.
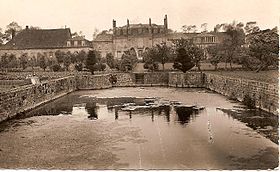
[(140, 37), (92, 110), (185, 114)]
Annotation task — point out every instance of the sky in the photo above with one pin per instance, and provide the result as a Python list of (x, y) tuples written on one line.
[(88, 15)]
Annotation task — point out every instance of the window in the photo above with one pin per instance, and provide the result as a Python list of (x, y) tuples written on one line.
[(68, 43), (140, 53)]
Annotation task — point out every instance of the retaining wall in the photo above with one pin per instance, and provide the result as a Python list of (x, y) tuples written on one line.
[(27, 97), (264, 94), (186, 80)]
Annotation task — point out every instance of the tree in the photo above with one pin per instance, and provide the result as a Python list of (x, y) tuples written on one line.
[(264, 45), (4, 60), (128, 61), (55, 67), (218, 27), (23, 61), (110, 60), (42, 62), (79, 66), (59, 55), (233, 42), (195, 53), (12, 29), (64, 58), (163, 54), (2, 37), (216, 54), (95, 33), (183, 60), (251, 27), (189, 29), (204, 27), (12, 61), (149, 59), (67, 59), (247, 61), (91, 61), (81, 56), (99, 66)]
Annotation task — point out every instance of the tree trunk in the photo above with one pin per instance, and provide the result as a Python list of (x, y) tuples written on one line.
[(226, 65), (198, 66), (163, 66), (216, 67)]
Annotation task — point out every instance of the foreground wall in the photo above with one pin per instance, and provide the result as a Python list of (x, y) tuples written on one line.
[(264, 95), (27, 97)]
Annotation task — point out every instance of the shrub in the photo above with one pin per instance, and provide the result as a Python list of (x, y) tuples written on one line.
[(56, 67), (249, 102)]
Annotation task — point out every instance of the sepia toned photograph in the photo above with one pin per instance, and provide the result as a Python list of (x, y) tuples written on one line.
[(139, 84)]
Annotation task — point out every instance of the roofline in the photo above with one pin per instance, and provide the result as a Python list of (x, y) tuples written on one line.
[(46, 48)]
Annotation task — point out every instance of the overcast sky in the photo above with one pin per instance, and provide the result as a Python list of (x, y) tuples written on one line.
[(85, 15)]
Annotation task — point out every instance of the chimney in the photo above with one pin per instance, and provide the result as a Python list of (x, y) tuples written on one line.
[(165, 22), (150, 22), (26, 27), (13, 33), (127, 23), (114, 23)]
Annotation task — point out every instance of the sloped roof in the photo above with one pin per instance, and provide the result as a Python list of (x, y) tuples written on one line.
[(37, 39), (77, 38)]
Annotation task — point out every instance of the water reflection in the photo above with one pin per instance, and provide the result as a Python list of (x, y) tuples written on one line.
[(185, 114), (88, 106), (91, 109)]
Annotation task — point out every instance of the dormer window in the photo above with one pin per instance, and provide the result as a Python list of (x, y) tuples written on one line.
[(68, 43)]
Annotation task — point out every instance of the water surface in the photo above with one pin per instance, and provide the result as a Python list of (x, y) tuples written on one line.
[(90, 130)]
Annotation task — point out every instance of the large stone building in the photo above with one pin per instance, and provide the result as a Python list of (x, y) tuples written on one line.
[(44, 42), (140, 37)]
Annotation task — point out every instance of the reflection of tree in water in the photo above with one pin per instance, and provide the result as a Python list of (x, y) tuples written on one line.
[(184, 114), (166, 112), (91, 109)]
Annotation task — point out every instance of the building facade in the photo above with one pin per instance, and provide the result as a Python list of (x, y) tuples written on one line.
[(140, 37), (35, 43)]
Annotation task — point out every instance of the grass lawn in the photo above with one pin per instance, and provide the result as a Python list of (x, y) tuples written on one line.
[(270, 76)]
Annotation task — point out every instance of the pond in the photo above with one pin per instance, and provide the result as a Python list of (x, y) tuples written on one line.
[(139, 128)]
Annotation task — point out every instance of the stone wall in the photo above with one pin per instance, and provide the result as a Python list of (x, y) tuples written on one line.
[(186, 80), (93, 81), (125, 80), (156, 79), (15, 82), (264, 94), (27, 97)]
